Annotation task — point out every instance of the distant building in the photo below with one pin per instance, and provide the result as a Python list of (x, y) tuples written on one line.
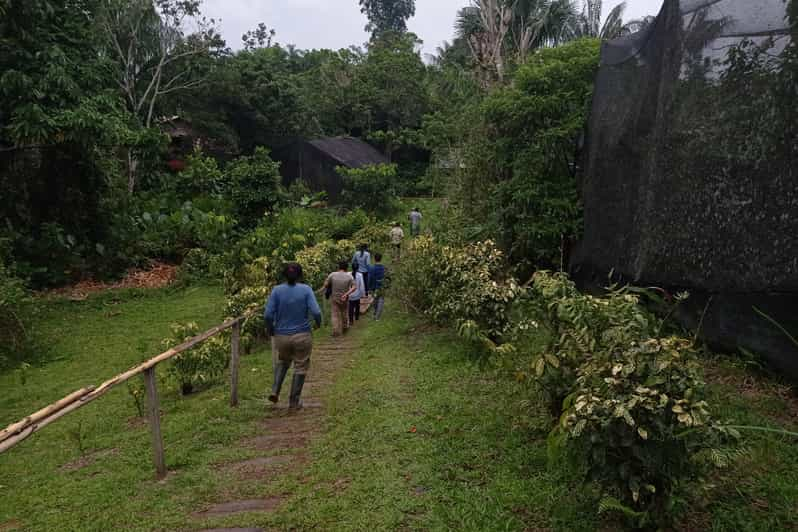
[(314, 162), (183, 140)]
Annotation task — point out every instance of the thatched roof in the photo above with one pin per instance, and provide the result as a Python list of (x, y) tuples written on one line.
[(349, 152)]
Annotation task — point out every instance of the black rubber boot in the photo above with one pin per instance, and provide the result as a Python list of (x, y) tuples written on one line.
[(280, 371), (296, 391)]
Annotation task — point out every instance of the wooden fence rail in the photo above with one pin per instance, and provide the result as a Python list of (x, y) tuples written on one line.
[(19, 431)]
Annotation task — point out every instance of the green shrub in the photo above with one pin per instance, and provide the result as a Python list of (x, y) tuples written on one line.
[(465, 287), (170, 234), (14, 307), (202, 364), (344, 226), (202, 176), (579, 326), (255, 186), (630, 405), (376, 235), (322, 259), (639, 416), (372, 187)]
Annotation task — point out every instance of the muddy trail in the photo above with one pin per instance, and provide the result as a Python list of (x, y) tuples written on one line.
[(281, 446)]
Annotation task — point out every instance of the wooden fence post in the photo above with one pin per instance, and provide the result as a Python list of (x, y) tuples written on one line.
[(154, 414), (235, 344)]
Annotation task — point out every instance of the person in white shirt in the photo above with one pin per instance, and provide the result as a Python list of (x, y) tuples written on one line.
[(397, 235), (357, 295)]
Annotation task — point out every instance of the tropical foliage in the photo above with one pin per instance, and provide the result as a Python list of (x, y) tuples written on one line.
[(371, 188), (199, 365)]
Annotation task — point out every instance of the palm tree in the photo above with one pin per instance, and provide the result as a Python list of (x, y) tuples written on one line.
[(588, 23), (498, 29), (538, 23)]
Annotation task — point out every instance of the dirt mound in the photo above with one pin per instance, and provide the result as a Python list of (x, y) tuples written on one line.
[(156, 275)]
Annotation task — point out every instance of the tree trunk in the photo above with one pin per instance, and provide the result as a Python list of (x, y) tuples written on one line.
[(132, 167)]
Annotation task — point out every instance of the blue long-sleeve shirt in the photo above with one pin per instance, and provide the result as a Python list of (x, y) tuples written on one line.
[(376, 277), (363, 261), (289, 307)]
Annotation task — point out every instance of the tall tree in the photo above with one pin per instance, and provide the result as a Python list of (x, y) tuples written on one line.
[(539, 23), (393, 77), (485, 25), (387, 15), (154, 55), (589, 23)]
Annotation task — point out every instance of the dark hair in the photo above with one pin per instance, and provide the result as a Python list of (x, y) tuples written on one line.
[(343, 265), (292, 272), (378, 257), (363, 248)]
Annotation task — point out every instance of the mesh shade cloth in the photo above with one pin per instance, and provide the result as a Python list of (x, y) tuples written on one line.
[(691, 171)]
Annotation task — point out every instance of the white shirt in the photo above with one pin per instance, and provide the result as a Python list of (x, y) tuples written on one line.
[(397, 235), (361, 288)]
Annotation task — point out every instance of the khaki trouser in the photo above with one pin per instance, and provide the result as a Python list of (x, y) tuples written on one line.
[(338, 316), (295, 348)]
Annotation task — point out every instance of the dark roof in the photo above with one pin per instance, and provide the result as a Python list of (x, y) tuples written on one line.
[(177, 127), (350, 152)]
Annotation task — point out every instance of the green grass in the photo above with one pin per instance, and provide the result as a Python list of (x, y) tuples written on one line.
[(421, 438), (88, 342), (418, 436)]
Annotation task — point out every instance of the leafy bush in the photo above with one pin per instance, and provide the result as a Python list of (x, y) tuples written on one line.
[(170, 235), (200, 365), (322, 259), (14, 303), (201, 177), (639, 417), (372, 187), (630, 405), (522, 153), (375, 234), (248, 288), (466, 287), (344, 226), (578, 326), (255, 186)]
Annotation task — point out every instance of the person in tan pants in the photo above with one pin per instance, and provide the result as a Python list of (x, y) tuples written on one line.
[(340, 285), (287, 316)]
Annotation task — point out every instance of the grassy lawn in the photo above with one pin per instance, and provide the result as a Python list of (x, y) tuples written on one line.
[(417, 436), (421, 437), (92, 470)]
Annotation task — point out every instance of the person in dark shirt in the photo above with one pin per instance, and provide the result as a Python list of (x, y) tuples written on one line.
[(287, 319), (379, 280)]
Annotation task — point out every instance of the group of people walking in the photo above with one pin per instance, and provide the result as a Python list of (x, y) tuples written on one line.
[(292, 305), (347, 289)]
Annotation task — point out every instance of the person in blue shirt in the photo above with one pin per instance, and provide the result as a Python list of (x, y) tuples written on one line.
[(362, 258), (287, 319)]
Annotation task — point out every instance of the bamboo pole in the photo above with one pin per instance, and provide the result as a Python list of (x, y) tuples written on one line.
[(94, 393), (16, 428), (154, 415), (235, 342), (12, 441)]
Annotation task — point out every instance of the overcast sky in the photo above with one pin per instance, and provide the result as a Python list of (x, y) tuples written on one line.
[(338, 23)]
